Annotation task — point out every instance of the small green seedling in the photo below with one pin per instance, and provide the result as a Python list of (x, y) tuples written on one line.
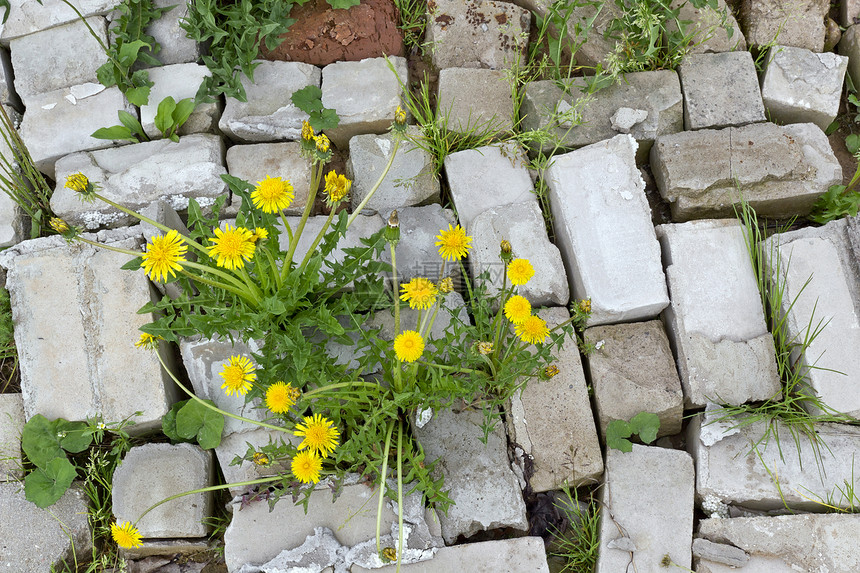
[(644, 424), (309, 100), (171, 115)]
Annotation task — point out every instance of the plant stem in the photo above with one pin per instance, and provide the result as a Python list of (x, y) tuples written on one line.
[(316, 242), (216, 284), (399, 493), (382, 486), (294, 242), (466, 280), (363, 203), (339, 385)]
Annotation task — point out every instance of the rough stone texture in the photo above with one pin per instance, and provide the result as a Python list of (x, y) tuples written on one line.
[(176, 46), (153, 472), (165, 547), (487, 177), (850, 46), (475, 100), (830, 299), (53, 126), (723, 553), (269, 114), (632, 371), (8, 97), (800, 86), (551, 421), (12, 217), (522, 225), (236, 444), (136, 175), (79, 291), (417, 254), (720, 90), (57, 58), (32, 540), (322, 35), (848, 10), (779, 170), (732, 471), (180, 81), (11, 426), (799, 23), (658, 94), (253, 162), (476, 34), (364, 94), (410, 180), (715, 321), (597, 212), (705, 24), (647, 498), (29, 16), (521, 555), (485, 492), (787, 543)]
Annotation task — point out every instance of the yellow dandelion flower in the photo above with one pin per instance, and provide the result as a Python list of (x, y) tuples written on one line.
[(585, 306), (336, 187), (232, 247), (77, 182), (307, 131), (272, 194), (520, 271), (58, 225), (420, 293), (261, 459), (320, 435), (163, 256), (261, 234), (517, 309), (280, 397), (238, 375), (446, 285), (399, 115), (306, 466), (453, 244), (408, 346), (550, 371), (322, 143), (148, 341), (532, 330), (125, 535)]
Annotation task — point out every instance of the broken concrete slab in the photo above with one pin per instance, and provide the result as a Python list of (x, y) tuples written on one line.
[(11, 426), (475, 101), (236, 444), (797, 23), (176, 46), (180, 81), (31, 16), (709, 33), (252, 163), (417, 254)]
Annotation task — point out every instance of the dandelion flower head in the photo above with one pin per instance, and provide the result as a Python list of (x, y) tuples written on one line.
[(148, 341), (336, 187), (408, 346), (272, 194), (232, 247), (307, 131), (238, 374), (77, 182), (125, 535), (58, 225), (532, 330), (322, 143), (517, 309), (453, 244), (320, 435), (280, 397), (163, 255), (420, 293), (520, 271), (306, 466)]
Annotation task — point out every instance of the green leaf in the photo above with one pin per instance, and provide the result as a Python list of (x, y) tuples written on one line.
[(343, 4), (138, 96), (324, 119), (129, 121), (616, 433), (45, 486), (164, 115), (168, 421), (184, 109), (117, 132), (308, 99), (40, 442), (133, 264), (852, 142), (194, 420), (77, 436), (831, 129), (646, 425)]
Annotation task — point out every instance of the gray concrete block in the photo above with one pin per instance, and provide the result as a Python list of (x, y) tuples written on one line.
[(152, 472), (705, 26), (715, 321), (720, 90), (605, 211), (30, 16), (364, 94), (646, 509), (14, 226), (850, 46), (798, 23), (136, 175), (409, 182), (477, 34), (362, 227), (417, 253), (8, 96), (180, 81), (269, 114), (475, 100), (551, 421), (176, 46), (11, 426), (237, 443), (632, 371), (253, 163), (779, 170)]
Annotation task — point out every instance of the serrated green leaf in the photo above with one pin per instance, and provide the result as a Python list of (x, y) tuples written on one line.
[(308, 99), (164, 115), (138, 96), (646, 425), (45, 486)]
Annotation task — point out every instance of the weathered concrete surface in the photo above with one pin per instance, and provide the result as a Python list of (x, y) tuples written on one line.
[(236, 444), (180, 81), (417, 254), (29, 16), (176, 46), (475, 101), (779, 170), (11, 426), (850, 46), (705, 26), (598, 212), (253, 163), (797, 23)]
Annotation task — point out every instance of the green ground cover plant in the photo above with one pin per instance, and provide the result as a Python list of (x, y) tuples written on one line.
[(578, 544)]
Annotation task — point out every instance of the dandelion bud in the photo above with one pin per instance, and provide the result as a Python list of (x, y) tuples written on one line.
[(550, 371), (307, 131), (399, 116), (322, 143), (261, 459), (505, 253), (392, 230), (585, 306), (80, 184), (389, 554), (59, 225), (485, 348), (446, 285)]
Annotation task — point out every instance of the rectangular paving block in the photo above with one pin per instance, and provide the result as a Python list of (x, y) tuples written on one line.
[(779, 170), (603, 228), (816, 269), (729, 470), (715, 321), (137, 175), (417, 253), (475, 100), (30, 16), (646, 510), (802, 24), (11, 426), (176, 46), (551, 422), (252, 163), (76, 325), (179, 81)]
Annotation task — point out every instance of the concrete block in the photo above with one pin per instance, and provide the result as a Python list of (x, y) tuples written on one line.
[(705, 26), (253, 163), (779, 170), (237, 443), (633, 528), (11, 426), (162, 547), (13, 221), (720, 90), (798, 23), (139, 174), (715, 321), (176, 46), (35, 540), (485, 492), (409, 182), (79, 292), (269, 114), (417, 253), (815, 268), (585, 119), (551, 421), (487, 177), (475, 100), (632, 371), (8, 96), (364, 94), (732, 470), (180, 81), (849, 46), (786, 543), (30, 16), (477, 34), (605, 211), (800, 86), (54, 127), (523, 226), (153, 472)]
